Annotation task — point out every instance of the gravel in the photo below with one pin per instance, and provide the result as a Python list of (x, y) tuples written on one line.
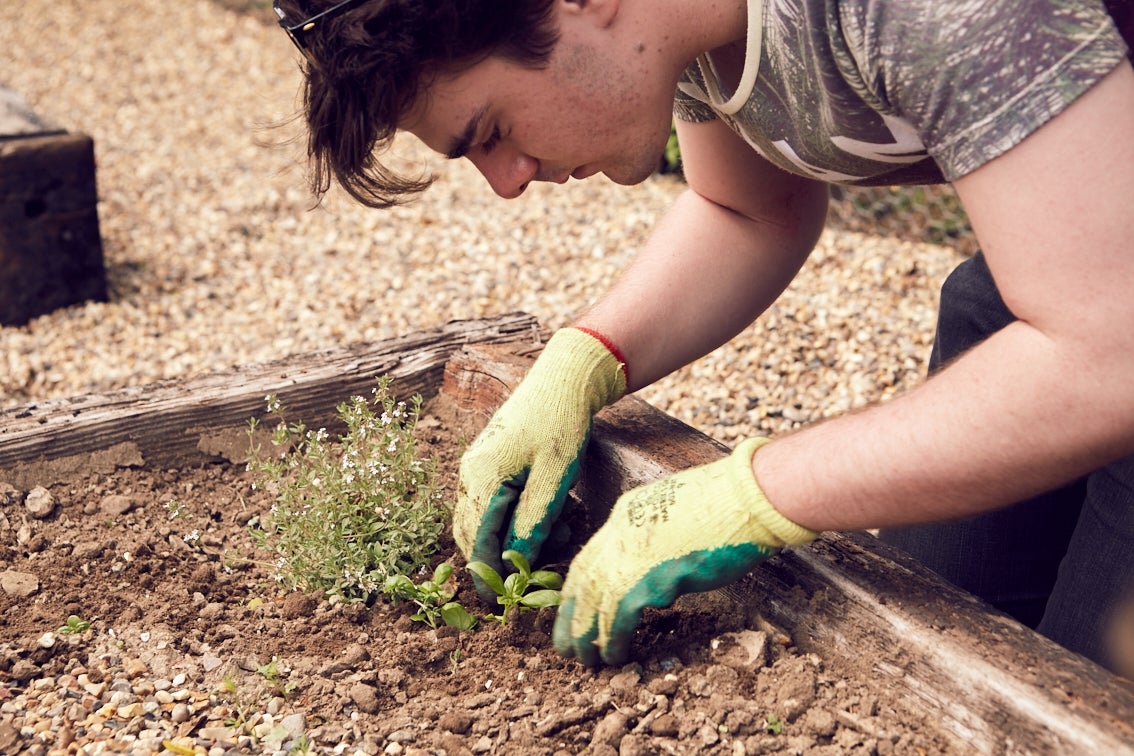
[(216, 256)]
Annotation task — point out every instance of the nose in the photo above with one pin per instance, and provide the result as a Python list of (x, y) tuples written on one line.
[(508, 171)]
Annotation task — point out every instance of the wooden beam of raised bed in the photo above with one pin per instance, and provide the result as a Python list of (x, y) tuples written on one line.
[(178, 422), (992, 684)]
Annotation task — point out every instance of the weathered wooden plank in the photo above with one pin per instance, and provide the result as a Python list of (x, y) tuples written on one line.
[(177, 423), (993, 684)]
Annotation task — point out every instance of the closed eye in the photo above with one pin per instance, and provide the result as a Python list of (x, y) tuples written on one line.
[(493, 139)]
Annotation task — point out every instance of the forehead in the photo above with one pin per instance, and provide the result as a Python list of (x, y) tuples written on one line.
[(455, 107), (451, 110)]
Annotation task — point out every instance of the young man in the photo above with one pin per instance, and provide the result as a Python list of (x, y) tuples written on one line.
[(1025, 106)]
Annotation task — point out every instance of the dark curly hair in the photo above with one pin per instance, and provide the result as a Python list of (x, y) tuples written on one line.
[(375, 60)]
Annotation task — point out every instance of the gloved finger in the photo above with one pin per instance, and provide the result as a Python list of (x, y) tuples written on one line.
[(660, 587), (622, 628), (540, 505), (567, 643), (487, 545), (536, 533)]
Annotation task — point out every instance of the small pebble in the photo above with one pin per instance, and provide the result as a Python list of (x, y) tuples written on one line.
[(40, 503)]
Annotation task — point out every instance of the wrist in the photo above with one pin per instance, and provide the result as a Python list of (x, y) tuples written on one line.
[(783, 530), (612, 348), (576, 357)]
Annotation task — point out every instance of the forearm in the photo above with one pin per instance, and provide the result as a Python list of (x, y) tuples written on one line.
[(704, 275), (1039, 403), (1013, 417)]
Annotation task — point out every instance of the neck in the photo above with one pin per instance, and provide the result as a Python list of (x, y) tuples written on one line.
[(685, 29)]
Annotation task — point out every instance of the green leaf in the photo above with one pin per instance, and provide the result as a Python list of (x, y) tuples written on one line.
[(541, 599), (519, 560), (75, 625), (490, 576), (547, 579), (399, 585), (515, 585), (442, 574), (455, 615)]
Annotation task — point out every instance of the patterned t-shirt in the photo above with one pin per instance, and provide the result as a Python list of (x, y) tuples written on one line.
[(885, 92)]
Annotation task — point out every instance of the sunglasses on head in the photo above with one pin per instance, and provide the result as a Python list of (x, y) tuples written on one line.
[(298, 31)]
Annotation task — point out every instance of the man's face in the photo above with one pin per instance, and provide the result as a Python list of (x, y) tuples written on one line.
[(589, 110)]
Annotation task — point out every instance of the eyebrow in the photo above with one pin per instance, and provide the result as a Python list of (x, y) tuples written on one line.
[(460, 145)]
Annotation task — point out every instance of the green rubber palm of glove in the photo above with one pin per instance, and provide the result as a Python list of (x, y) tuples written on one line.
[(693, 531), (515, 476)]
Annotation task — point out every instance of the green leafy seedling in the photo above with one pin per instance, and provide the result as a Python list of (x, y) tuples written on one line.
[(512, 592), (432, 598), (773, 724), (271, 673), (75, 625)]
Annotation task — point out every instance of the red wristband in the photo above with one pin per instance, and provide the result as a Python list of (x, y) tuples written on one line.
[(611, 346)]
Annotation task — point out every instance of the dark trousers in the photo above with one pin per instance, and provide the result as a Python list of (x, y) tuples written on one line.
[(1061, 563)]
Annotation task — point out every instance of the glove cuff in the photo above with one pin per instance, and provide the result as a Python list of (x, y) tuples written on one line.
[(578, 352), (782, 530), (614, 350)]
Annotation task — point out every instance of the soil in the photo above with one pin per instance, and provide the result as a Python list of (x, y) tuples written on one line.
[(191, 595)]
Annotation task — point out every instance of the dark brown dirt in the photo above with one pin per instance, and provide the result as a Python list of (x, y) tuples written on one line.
[(190, 594)]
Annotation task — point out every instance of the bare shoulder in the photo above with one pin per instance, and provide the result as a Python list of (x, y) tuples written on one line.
[(720, 166), (1053, 213)]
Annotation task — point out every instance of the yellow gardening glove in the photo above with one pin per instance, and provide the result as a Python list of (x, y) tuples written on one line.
[(515, 476), (694, 531)]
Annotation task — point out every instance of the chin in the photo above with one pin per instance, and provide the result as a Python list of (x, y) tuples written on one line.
[(632, 174)]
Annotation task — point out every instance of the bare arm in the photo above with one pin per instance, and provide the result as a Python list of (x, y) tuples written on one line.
[(723, 253), (1046, 399)]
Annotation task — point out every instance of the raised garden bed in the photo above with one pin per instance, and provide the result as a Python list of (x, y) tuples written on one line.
[(842, 646)]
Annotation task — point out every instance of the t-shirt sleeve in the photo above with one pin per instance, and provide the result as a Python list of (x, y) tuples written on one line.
[(690, 102), (976, 78)]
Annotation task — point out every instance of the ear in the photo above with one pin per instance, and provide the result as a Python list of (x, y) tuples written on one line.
[(600, 12)]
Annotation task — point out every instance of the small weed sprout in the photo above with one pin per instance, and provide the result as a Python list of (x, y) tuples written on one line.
[(75, 625), (512, 591), (433, 599), (271, 673), (240, 717), (352, 513), (773, 724), (176, 509)]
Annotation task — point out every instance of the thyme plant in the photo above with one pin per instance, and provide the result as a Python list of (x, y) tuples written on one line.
[(353, 512)]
